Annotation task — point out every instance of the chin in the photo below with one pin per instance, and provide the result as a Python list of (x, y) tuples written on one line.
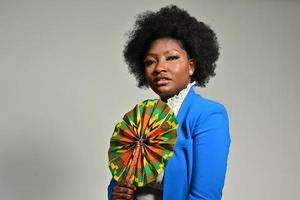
[(165, 93), (164, 90)]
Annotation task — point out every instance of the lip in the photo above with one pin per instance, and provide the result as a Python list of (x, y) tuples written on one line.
[(161, 81)]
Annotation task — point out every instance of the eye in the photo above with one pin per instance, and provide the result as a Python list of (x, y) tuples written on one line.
[(172, 57), (148, 62)]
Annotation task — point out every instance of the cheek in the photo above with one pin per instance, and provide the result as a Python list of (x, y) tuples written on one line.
[(181, 71), (147, 73)]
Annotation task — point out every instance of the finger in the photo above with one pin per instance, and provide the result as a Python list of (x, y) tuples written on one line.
[(131, 186), (126, 185), (126, 190), (123, 199), (122, 192), (122, 184), (116, 195)]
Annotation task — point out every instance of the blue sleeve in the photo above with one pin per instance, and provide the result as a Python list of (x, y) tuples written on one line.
[(210, 151), (110, 188)]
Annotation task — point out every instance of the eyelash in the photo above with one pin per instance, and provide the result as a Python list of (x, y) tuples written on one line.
[(149, 62), (172, 57)]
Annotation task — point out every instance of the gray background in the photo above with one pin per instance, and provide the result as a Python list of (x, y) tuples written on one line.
[(64, 85)]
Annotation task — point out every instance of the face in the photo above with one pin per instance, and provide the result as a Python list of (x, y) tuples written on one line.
[(168, 69)]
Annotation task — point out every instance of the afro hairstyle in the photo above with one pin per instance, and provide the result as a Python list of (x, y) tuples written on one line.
[(197, 38)]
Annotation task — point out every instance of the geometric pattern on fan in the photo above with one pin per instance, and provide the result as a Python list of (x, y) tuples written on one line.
[(142, 143)]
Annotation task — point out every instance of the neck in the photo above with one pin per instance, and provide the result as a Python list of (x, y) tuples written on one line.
[(165, 98)]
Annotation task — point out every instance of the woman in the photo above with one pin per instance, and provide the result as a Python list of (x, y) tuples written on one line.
[(172, 52)]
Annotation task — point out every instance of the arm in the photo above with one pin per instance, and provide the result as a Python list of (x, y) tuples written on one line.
[(211, 141)]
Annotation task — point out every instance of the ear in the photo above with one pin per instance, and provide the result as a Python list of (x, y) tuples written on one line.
[(192, 65)]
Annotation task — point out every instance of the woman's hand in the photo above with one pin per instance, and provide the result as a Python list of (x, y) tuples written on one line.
[(123, 191)]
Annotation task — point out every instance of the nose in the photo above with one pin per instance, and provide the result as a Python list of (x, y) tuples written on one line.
[(160, 67)]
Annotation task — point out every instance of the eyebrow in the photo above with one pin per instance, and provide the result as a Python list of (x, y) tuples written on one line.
[(166, 52)]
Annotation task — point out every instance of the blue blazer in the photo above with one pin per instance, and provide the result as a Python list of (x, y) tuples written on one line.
[(198, 167)]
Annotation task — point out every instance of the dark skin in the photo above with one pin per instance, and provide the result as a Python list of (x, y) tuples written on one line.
[(123, 191), (168, 70)]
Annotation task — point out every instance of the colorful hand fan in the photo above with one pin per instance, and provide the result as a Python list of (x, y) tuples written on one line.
[(142, 143)]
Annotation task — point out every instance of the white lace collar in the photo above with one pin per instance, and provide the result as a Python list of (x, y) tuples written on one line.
[(176, 101)]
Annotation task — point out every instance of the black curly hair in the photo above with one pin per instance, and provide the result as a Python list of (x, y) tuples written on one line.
[(197, 38)]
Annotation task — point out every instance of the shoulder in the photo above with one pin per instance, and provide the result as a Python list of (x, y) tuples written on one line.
[(201, 107), (210, 117)]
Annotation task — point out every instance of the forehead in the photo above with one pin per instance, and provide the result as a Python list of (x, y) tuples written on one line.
[(163, 45)]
